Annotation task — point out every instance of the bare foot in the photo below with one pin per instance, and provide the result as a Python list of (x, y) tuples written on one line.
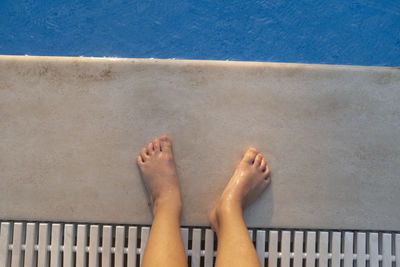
[(157, 167), (250, 179)]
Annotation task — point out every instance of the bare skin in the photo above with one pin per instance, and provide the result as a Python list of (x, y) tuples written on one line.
[(165, 246), (250, 179)]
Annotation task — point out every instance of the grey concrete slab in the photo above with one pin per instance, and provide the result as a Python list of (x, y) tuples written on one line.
[(70, 129)]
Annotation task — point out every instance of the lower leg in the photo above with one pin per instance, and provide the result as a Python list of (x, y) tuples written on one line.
[(164, 246), (235, 247)]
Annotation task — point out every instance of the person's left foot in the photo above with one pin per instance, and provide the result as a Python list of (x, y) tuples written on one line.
[(157, 167), (250, 179)]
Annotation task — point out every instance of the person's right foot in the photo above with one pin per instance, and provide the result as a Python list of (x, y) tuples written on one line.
[(250, 179), (157, 167)]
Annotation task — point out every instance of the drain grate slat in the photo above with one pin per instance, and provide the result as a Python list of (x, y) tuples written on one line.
[(30, 250), (94, 246), (285, 249), (397, 249), (42, 245), (56, 242), (119, 245), (106, 246), (17, 245), (132, 246), (89, 245), (298, 249), (373, 249), (323, 249), (348, 249), (81, 245), (196, 247), (361, 249), (260, 245), (209, 248)]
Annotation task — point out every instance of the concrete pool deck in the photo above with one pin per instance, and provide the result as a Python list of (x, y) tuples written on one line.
[(70, 129)]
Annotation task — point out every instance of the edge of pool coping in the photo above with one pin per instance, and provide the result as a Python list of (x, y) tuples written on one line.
[(191, 61)]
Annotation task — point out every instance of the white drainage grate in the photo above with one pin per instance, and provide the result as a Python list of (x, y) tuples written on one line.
[(58, 244)]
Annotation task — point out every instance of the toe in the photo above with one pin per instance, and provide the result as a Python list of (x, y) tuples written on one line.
[(258, 160), (267, 173), (263, 165), (139, 160), (156, 145), (267, 170), (150, 148), (144, 154), (165, 143), (250, 155)]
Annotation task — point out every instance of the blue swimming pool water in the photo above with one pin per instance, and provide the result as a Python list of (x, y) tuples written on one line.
[(363, 32)]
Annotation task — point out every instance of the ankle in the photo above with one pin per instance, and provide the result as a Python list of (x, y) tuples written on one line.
[(226, 210), (169, 202), (230, 200), (227, 206)]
